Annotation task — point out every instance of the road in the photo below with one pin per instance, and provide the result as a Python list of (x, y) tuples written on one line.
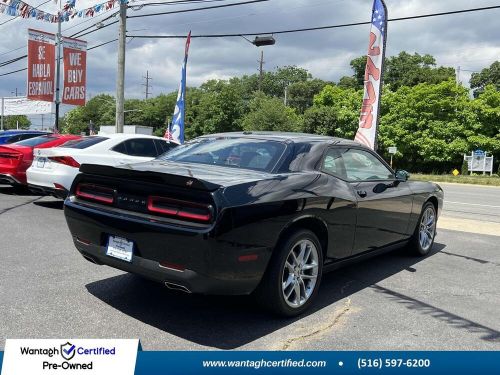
[(449, 300), (472, 202)]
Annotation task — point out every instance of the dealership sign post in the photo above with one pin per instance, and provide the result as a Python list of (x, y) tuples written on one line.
[(41, 65), (75, 63)]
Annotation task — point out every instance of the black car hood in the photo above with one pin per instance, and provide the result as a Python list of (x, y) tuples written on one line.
[(201, 176)]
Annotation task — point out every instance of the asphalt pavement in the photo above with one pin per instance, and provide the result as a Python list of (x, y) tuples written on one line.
[(449, 300)]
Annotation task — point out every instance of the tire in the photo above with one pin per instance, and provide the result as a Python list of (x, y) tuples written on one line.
[(288, 274), (425, 231)]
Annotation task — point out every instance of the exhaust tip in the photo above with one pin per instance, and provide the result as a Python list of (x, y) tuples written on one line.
[(178, 287)]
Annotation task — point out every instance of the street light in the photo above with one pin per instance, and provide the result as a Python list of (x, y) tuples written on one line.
[(261, 41)]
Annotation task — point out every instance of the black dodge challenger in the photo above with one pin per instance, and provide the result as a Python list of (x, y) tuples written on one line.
[(253, 212)]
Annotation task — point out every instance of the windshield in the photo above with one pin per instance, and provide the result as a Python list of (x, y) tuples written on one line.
[(245, 153), (83, 143), (32, 142)]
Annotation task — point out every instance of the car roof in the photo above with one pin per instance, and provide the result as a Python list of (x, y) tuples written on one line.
[(15, 131), (286, 137), (125, 136)]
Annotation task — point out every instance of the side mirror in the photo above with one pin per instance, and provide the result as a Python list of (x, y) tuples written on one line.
[(402, 175)]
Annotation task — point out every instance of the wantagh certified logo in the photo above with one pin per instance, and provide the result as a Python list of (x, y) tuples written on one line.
[(68, 351), (70, 356)]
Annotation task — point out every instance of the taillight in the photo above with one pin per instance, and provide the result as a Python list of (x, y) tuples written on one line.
[(8, 155), (66, 160), (95, 193), (180, 209)]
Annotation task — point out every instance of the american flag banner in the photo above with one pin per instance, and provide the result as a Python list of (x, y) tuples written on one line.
[(176, 131), (368, 121), (168, 133)]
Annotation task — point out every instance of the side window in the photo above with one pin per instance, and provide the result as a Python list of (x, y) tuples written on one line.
[(361, 165), (121, 148), (137, 147), (163, 146), (333, 163)]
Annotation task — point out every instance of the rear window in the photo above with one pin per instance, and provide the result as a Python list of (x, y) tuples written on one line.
[(83, 143), (245, 153), (36, 141)]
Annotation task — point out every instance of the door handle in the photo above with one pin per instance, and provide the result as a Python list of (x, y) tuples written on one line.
[(361, 193)]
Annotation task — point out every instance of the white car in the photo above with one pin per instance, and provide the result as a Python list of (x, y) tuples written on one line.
[(54, 169)]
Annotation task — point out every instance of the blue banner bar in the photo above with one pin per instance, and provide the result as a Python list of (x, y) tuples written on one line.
[(211, 363), (373, 362)]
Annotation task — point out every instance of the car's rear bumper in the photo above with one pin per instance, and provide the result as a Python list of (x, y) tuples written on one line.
[(45, 190), (50, 177), (208, 265), (9, 179)]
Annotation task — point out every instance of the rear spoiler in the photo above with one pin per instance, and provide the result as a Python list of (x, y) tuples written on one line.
[(122, 172)]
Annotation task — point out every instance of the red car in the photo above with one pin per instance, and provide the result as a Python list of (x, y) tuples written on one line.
[(16, 158)]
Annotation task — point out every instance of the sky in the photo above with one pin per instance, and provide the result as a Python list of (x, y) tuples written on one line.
[(470, 40)]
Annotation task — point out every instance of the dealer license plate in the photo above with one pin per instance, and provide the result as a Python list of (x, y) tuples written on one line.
[(40, 162), (121, 248)]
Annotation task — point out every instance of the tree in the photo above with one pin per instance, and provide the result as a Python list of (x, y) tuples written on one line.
[(431, 124), (344, 107), (217, 107), (487, 76), (411, 70), (270, 114), (12, 122), (405, 70), (100, 110), (301, 94)]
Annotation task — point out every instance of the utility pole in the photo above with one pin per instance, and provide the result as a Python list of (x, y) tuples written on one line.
[(286, 95), (147, 85), (120, 75), (58, 69), (261, 70), (458, 75)]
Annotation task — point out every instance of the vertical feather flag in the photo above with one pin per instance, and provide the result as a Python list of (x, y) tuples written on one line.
[(176, 131), (370, 110)]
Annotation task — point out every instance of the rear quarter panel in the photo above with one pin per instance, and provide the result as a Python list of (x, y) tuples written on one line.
[(262, 211)]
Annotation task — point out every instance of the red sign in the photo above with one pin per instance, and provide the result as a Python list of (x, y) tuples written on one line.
[(75, 67), (41, 65)]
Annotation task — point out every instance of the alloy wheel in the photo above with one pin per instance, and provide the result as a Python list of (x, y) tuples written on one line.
[(300, 273), (427, 228)]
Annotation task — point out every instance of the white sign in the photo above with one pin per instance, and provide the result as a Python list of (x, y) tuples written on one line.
[(393, 150), (479, 162), (70, 356), (20, 105)]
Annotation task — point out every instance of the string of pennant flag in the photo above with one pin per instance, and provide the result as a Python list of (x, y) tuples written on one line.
[(19, 8)]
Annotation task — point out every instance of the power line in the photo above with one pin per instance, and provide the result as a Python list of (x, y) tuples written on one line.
[(8, 62), (72, 27), (314, 28), (78, 34), (88, 49), (15, 71), (180, 2), (194, 9), (12, 19)]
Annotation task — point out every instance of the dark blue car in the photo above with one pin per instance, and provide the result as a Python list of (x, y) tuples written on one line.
[(12, 136)]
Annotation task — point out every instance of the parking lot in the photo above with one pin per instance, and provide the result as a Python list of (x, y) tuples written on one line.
[(449, 300)]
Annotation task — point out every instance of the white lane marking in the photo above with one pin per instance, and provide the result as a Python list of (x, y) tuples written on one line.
[(472, 204)]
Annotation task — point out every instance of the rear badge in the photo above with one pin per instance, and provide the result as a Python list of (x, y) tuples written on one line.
[(189, 183)]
